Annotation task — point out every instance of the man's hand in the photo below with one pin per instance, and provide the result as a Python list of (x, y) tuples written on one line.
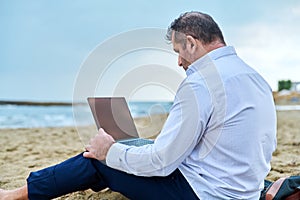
[(99, 146)]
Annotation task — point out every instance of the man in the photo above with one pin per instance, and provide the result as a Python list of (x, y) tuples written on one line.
[(217, 142)]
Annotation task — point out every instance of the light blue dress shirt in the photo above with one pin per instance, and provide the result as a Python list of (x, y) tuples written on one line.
[(220, 132)]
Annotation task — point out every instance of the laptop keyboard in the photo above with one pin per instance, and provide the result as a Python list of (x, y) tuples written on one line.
[(136, 142)]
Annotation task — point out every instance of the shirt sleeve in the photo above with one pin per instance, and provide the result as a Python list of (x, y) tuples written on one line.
[(181, 132)]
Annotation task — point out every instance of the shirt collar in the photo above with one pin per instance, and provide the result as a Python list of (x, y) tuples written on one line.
[(213, 55)]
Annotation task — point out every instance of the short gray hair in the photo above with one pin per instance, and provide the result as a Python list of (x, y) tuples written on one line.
[(199, 25)]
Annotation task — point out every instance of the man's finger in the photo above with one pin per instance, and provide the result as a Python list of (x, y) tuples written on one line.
[(88, 147), (101, 131), (88, 155)]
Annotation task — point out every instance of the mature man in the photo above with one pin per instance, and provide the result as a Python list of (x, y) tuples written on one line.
[(217, 142)]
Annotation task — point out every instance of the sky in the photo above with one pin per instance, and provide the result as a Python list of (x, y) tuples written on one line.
[(44, 44)]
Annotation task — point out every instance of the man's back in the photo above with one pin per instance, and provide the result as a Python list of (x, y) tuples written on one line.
[(233, 155)]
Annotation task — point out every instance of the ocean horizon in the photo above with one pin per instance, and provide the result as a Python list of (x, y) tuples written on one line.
[(34, 114), (37, 114)]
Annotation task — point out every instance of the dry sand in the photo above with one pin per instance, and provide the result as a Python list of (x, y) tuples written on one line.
[(25, 150), (286, 158)]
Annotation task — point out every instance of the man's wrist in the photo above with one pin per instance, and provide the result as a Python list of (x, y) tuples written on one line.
[(114, 155)]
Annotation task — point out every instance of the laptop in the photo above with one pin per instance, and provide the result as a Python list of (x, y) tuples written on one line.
[(113, 115)]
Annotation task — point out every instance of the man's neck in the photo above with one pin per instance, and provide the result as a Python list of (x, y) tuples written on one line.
[(213, 45)]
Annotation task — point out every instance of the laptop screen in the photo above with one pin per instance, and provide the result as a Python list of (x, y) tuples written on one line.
[(113, 115)]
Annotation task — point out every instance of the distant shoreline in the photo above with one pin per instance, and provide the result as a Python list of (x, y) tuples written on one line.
[(35, 103), (53, 103)]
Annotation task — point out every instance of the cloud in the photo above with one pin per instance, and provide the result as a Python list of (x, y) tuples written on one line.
[(270, 45)]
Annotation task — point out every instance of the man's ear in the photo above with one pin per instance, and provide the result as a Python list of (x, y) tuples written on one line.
[(191, 44)]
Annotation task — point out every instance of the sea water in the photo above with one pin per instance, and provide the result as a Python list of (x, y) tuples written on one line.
[(33, 116)]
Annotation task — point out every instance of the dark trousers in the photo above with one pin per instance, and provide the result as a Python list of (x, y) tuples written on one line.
[(79, 173)]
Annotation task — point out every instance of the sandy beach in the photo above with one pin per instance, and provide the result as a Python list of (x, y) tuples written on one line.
[(26, 150)]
